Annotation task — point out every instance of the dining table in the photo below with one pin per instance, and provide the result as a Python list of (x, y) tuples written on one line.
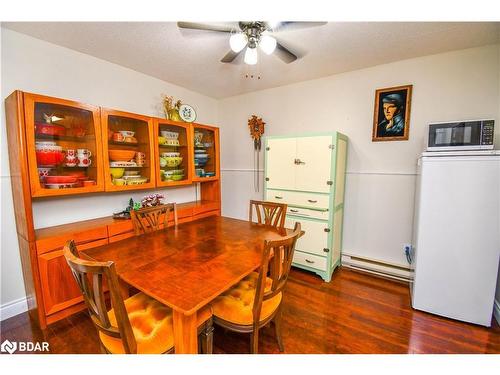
[(187, 266)]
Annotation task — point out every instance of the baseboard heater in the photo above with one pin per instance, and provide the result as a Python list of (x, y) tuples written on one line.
[(376, 267)]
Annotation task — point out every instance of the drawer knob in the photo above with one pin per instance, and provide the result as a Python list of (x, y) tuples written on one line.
[(278, 197), (326, 250), (292, 210), (312, 201), (327, 230), (309, 261)]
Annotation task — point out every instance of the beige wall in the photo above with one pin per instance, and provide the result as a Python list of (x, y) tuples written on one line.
[(380, 175), (32, 65), (380, 181)]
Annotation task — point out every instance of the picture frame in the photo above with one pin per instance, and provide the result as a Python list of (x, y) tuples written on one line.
[(391, 117)]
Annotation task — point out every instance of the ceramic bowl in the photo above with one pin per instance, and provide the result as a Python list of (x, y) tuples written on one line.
[(170, 154), (42, 172), (49, 157), (60, 179), (118, 181), (137, 181), (162, 140), (172, 162), (127, 133), (131, 173), (169, 134), (49, 129), (116, 172), (121, 155), (177, 177)]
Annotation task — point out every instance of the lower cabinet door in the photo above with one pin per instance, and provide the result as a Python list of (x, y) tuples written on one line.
[(315, 239), (59, 288)]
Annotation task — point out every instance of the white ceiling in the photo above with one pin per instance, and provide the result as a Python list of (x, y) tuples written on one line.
[(191, 58)]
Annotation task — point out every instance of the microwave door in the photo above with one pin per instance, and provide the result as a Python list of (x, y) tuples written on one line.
[(455, 136)]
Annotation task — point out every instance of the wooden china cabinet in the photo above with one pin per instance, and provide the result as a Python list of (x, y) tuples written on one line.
[(173, 138), (142, 141), (60, 147)]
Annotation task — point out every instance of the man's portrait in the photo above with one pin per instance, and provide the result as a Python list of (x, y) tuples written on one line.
[(391, 120)]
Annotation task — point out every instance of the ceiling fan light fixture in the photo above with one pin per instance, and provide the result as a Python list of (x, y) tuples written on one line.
[(251, 56), (267, 44), (238, 41)]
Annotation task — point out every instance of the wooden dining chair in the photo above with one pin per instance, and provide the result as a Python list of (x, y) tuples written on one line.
[(257, 299), (137, 325), (268, 213), (151, 219)]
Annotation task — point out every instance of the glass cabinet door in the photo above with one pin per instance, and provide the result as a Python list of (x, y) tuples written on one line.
[(205, 153), (174, 153), (64, 146), (128, 151)]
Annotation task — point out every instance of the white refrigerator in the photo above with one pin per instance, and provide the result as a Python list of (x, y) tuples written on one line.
[(456, 235)]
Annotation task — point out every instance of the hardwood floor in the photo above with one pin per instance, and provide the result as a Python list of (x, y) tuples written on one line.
[(354, 313)]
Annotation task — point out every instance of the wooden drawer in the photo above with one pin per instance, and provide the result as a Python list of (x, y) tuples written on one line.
[(306, 213), (315, 238), (83, 240), (297, 198), (312, 261)]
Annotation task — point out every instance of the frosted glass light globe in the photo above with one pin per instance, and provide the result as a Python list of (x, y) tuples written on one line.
[(251, 56), (237, 42), (267, 44)]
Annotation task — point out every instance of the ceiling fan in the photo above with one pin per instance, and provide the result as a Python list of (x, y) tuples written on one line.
[(251, 35)]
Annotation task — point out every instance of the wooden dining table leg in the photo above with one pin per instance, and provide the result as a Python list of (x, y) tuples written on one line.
[(185, 333), (124, 289)]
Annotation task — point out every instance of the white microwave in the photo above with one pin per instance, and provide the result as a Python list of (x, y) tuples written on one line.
[(461, 135)]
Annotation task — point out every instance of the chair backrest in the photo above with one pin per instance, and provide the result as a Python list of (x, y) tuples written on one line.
[(89, 276), (151, 219), (268, 213), (277, 259)]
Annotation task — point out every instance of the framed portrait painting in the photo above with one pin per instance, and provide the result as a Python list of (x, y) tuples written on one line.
[(391, 118)]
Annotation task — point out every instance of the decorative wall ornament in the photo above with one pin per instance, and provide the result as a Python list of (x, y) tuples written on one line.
[(391, 118), (256, 126)]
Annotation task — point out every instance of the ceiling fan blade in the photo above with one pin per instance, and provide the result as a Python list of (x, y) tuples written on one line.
[(230, 56), (295, 25), (205, 26), (284, 53)]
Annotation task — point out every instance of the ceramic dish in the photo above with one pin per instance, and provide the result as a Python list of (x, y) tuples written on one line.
[(59, 186), (121, 164), (116, 172), (169, 134), (209, 174), (172, 142), (131, 173), (126, 133), (177, 177), (137, 181), (128, 178), (187, 113), (201, 156), (49, 129), (60, 179), (170, 154), (200, 151), (121, 155)]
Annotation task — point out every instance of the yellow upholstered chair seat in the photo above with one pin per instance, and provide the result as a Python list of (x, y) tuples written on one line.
[(151, 323), (236, 304)]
